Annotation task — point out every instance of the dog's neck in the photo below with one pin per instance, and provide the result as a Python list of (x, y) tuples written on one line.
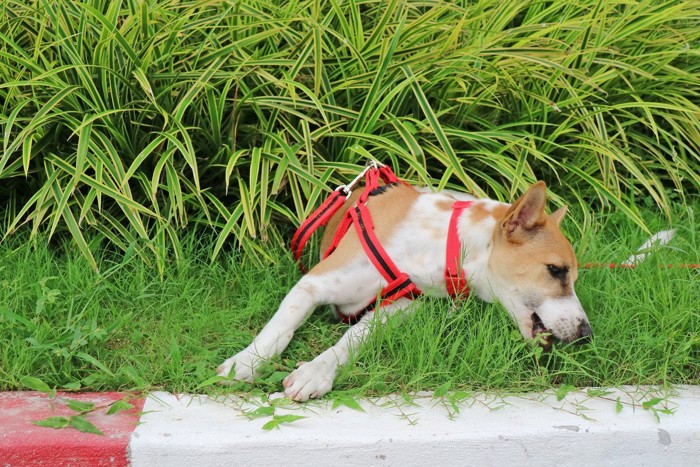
[(476, 230)]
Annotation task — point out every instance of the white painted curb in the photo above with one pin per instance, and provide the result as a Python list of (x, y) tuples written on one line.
[(488, 430)]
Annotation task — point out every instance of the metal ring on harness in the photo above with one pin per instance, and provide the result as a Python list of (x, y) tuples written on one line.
[(371, 165)]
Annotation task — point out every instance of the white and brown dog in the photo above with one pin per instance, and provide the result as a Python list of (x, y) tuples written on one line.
[(515, 254)]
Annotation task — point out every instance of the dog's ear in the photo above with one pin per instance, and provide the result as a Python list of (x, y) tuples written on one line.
[(526, 213), (558, 215)]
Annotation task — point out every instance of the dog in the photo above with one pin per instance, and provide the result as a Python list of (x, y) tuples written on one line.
[(515, 254)]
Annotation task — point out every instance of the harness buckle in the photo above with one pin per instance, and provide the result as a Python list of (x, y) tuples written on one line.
[(371, 165), (456, 284), (345, 189)]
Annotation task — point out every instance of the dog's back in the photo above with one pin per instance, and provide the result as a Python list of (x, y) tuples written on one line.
[(388, 206)]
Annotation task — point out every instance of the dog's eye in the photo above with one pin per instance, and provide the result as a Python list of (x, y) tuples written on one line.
[(557, 271)]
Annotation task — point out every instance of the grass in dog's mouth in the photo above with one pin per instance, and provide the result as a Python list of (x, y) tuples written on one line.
[(540, 333)]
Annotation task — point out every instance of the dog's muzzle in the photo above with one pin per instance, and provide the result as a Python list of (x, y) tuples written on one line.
[(585, 334)]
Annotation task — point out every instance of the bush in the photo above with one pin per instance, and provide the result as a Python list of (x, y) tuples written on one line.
[(135, 119)]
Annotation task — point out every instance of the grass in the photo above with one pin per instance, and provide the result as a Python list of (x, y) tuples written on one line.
[(129, 328), (132, 120)]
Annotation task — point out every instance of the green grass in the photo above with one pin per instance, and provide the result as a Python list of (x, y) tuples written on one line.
[(133, 120), (144, 141), (128, 328)]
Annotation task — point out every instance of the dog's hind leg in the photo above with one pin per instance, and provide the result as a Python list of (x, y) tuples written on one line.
[(315, 378), (275, 336)]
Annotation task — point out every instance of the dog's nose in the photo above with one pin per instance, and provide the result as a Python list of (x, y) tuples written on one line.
[(585, 333)]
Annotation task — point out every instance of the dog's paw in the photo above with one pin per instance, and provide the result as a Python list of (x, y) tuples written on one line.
[(244, 364), (309, 381)]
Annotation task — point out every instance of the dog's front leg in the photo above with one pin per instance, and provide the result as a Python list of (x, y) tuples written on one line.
[(315, 378), (275, 336)]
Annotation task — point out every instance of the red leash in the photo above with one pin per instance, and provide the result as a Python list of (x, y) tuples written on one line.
[(632, 266), (399, 284), (318, 218), (372, 173)]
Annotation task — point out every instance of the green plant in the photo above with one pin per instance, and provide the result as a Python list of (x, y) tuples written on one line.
[(129, 121), (81, 409)]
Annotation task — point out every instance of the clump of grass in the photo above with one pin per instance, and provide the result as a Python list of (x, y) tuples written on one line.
[(133, 121), (133, 328)]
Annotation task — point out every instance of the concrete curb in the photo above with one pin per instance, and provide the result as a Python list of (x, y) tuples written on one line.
[(584, 428), (481, 430)]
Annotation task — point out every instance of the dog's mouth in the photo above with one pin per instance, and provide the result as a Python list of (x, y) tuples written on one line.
[(540, 333)]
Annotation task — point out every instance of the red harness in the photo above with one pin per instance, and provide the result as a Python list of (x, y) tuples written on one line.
[(399, 284)]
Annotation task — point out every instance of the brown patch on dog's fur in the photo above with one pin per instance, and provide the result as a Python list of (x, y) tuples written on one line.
[(533, 241), (387, 209), (479, 212), (444, 205)]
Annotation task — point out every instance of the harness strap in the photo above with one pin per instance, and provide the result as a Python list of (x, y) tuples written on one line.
[(372, 178), (399, 284), (318, 218), (455, 282), (399, 288), (370, 243), (343, 227)]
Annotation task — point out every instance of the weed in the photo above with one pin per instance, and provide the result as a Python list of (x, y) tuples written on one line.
[(81, 409)]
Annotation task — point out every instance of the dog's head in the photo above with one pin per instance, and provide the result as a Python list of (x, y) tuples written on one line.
[(534, 270)]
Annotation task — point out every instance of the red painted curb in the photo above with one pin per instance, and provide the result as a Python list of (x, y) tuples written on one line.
[(22, 443)]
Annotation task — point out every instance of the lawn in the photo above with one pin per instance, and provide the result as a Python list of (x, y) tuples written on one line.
[(127, 328), (156, 154)]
